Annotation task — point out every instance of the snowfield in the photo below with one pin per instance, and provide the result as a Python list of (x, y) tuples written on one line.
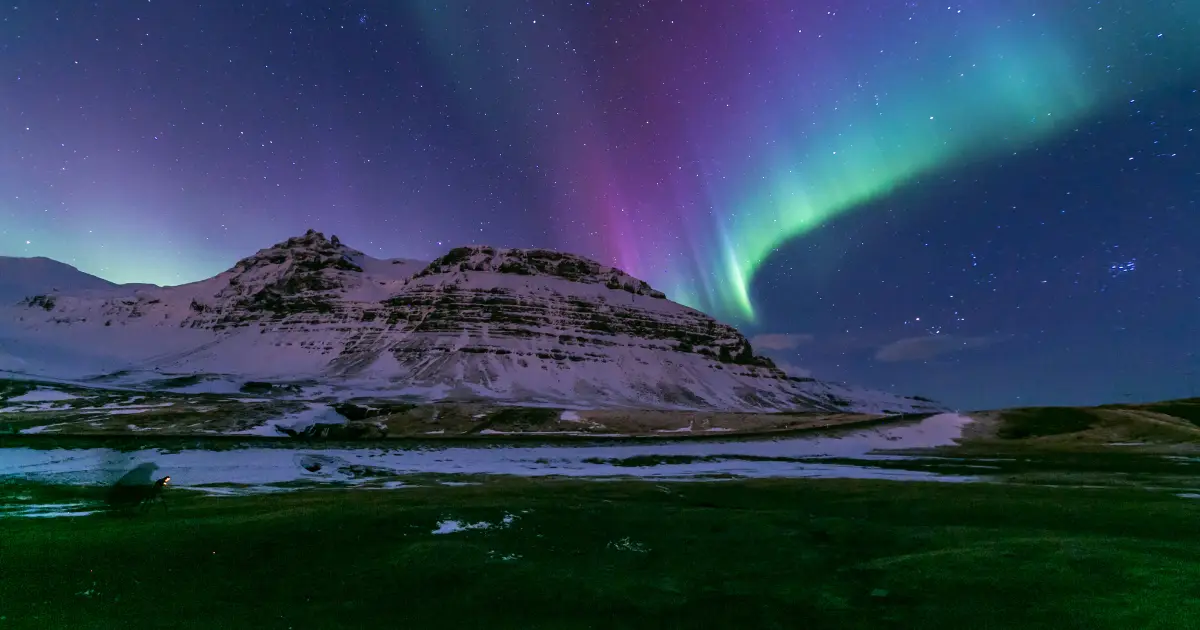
[(260, 468), (41, 395), (314, 414)]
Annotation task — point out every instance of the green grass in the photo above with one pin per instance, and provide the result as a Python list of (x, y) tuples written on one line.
[(519, 418), (10, 388), (1035, 422), (1188, 410), (1017, 462), (178, 381), (762, 554)]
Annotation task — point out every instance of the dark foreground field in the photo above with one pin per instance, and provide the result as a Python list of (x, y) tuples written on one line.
[(766, 554)]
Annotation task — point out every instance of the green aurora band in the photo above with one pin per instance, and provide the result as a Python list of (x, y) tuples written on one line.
[(991, 91)]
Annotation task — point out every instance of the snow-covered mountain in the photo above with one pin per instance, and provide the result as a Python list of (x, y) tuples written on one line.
[(529, 326), (23, 277)]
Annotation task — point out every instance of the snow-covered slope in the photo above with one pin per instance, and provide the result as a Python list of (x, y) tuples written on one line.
[(23, 277), (529, 326)]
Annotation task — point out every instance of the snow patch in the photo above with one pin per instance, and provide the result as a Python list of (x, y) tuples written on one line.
[(48, 510), (789, 457), (451, 526), (132, 403), (570, 416), (42, 395), (625, 544), (316, 413), (41, 429), (46, 406)]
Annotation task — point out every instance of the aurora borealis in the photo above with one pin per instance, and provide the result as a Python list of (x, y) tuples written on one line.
[(992, 81), (831, 123), (782, 165)]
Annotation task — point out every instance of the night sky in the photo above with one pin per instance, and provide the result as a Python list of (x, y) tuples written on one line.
[(989, 202)]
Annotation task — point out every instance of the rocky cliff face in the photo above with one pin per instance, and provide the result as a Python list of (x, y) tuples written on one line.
[(488, 296), (303, 277), (479, 322)]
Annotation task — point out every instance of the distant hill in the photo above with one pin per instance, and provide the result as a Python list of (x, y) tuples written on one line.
[(24, 277), (1125, 425)]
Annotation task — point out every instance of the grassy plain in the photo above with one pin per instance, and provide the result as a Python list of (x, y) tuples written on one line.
[(628, 554)]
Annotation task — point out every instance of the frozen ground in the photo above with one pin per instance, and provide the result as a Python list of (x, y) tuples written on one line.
[(48, 510), (313, 414), (42, 395), (264, 468)]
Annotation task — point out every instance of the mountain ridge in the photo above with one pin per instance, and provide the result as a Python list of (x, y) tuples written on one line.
[(22, 276), (478, 323)]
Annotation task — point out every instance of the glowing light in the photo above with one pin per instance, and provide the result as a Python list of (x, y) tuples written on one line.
[(963, 95)]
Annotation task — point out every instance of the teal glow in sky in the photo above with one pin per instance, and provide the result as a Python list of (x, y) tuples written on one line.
[(846, 121)]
